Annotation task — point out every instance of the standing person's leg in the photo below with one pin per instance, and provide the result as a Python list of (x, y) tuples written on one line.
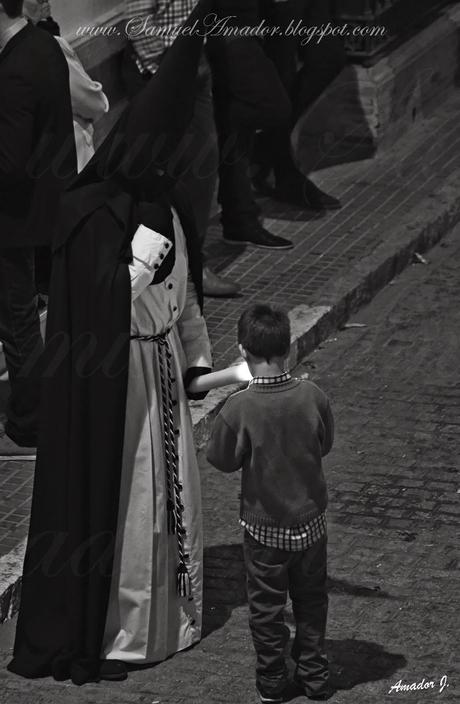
[(239, 209), (274, 149), (267, 575), (199, 154), (22, 342), (274, 145), (240, 212), (200, 157), (308, 591)]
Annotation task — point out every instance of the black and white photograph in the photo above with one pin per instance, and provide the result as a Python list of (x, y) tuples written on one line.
[(229, 351)]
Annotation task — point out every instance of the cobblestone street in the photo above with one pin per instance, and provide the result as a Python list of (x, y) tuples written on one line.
[(392, 375)]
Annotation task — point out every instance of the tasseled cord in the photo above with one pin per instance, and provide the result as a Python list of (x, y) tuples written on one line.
[(172, 524), (184, 583)]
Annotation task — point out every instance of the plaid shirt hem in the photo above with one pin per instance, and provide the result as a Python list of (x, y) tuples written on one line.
[(292, 539), (153, 23)]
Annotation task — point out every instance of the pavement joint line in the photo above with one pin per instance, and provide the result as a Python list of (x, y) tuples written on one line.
[(17, 458)]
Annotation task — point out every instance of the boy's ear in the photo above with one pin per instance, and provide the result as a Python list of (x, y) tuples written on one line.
[(243, 352)]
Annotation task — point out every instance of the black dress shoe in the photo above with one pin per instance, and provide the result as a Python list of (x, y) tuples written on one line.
[(305, 194), (12, 446), (215, 286), (113, 671), (258, 236)]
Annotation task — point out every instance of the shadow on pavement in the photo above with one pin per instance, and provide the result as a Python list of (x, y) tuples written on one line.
[(356, 662), (224, 585), (341, 586)]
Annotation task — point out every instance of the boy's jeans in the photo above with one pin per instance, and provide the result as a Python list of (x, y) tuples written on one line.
[(271, 574)]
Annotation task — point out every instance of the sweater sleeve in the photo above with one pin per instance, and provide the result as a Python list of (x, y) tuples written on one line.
[(328, 422), (225, 449), (193, 331)]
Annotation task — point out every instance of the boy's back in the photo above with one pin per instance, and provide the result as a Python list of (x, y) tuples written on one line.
[(277, 430)]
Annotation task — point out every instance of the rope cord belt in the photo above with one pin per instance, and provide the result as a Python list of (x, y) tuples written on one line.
[(175, 507)]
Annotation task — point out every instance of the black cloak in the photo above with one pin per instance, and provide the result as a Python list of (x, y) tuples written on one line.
[(69, 556)]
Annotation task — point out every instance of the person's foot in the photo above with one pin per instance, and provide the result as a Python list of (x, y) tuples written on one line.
[(26, 448), (258, 236), (215, 286), (303, 193), (271, 697), (113, 671)]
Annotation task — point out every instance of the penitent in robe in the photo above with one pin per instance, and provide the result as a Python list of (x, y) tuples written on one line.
[(146, 619)]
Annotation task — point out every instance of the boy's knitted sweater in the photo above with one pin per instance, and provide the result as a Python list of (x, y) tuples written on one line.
[(278, 434)]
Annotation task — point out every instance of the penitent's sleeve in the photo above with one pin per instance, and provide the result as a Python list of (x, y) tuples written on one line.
[(149, 249), (193, 332)]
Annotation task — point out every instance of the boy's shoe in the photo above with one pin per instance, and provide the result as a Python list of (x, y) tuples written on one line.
[(268, 697), (321, 695)]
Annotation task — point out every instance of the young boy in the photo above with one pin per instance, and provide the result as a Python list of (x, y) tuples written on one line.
[(277, 430)]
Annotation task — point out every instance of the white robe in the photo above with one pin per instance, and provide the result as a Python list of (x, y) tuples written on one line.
[(146, 620)]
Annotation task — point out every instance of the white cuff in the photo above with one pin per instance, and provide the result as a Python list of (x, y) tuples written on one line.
[(149, 247)]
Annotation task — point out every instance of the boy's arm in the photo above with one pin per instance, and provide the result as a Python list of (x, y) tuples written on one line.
[(225, 451), (328, 437)]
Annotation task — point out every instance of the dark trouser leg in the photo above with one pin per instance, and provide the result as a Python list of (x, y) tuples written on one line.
[(43, 262), (197, 155), (22, 342), (267, 570), (239, 209), (200, 154), (282, 50), (308, 591)]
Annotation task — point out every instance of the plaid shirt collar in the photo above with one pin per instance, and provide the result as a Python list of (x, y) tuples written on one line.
[(280, 379)]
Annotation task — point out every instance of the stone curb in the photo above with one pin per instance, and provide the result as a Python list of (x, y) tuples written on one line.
[(336, 301), (421, 229)]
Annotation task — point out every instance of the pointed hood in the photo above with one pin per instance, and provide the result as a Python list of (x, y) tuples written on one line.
[(139, 159), (141, 150)]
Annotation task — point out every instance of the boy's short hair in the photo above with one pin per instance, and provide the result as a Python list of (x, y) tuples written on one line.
[(13, 8), (265, 332)]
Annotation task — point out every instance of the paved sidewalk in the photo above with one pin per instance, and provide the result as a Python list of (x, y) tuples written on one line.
[(393, 520), (379, 195)]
